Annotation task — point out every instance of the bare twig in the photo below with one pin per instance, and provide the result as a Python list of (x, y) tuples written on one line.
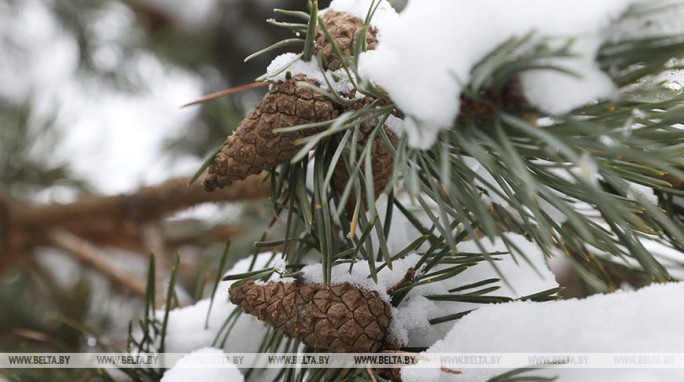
[(93, 257), (370, 372), (442, 368)]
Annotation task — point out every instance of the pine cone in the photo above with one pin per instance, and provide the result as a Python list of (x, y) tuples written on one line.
[(344, 28), (338, 318), (254, 146), (510, 97), (382, 165)]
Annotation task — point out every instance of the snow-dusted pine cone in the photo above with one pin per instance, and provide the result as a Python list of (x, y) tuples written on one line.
[(254, 146), (344, 28), (382, 165), (338, 318)]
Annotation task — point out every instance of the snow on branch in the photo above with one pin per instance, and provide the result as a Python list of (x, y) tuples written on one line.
[(425, 56)]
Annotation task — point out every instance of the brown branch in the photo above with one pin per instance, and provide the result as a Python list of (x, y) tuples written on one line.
[(370, 372), (146, 204), (108, 220), (91, 256)]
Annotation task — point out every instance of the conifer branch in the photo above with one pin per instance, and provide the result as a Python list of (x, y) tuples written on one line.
[(109, 220)]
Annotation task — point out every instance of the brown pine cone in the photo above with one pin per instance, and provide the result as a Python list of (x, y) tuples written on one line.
[(382, 165), (338, 318), (254, 146), (510, 97), (344, 28)]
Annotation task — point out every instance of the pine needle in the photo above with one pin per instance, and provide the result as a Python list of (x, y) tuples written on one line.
[(223, 93)]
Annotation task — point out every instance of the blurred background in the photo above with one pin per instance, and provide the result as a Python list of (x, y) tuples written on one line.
[(90, 96)]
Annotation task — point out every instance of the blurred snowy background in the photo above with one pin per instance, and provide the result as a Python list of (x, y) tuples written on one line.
[(110, 76)]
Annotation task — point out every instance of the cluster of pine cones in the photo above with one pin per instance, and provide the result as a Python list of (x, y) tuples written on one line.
[(334, 318), (254, 146)]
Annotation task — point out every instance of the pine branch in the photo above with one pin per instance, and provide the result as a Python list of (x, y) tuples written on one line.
[(108, 220)]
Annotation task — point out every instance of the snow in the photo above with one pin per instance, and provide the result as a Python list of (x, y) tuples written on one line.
[(186, 326), (186, 331), (410, 321), (558, 93), (647, 320), (227, 373), (359, 275), (586, 169), (383, 15), (426, 374), (641, 193), (662, 19), (669, 257), (280, 265), (188, 13), (395, 124), (115, 134), (424, 72), (286, 63)]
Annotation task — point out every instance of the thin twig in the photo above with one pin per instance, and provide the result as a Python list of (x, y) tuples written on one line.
[(442, 368), (370, 372), (93, 257), (111, 220)]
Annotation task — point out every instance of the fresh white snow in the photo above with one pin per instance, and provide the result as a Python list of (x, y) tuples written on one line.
[(642, 193), (199, 372), (289, 63), (186, 329), (427, 53), (384, 13), (645, 321)]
